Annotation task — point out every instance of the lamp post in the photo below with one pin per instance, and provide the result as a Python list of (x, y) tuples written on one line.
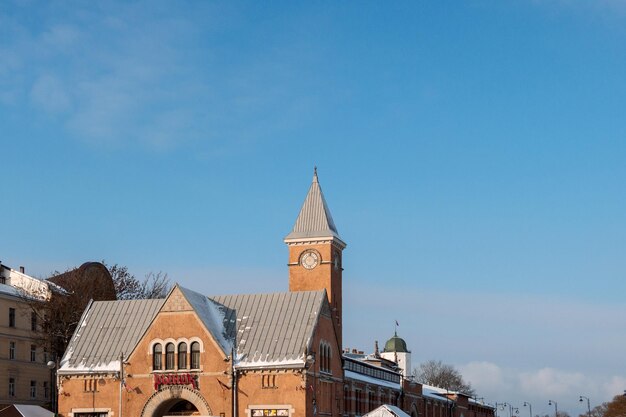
[(530, 408), (511, 408), (495, 408), (588, 406), (556, 410), (501, 405), (52, 365)]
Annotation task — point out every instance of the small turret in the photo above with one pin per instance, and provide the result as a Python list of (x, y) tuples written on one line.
[(396, 350)]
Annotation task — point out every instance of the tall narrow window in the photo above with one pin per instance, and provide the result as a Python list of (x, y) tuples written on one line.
[(182, 355), (169, 356), (33, 321), (33, 353), (11, 387), (46, 390), (11, 350), (195, 355), (157, 357), (11, 317), (33, 390)]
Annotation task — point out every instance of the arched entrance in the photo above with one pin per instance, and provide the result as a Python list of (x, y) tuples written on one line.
[(176, 401)]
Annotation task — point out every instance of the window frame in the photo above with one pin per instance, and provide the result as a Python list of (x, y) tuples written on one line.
[(182, 355), (33, 389), (195, 355), (11, 387), (170, 356), (157, 357)]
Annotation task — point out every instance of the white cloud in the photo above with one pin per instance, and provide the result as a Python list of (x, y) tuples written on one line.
[(61, 37), (49, 94), (486, 375), (550, 382), (615, 386)]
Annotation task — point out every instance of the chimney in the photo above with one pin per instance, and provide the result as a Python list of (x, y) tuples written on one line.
[(22, 269)]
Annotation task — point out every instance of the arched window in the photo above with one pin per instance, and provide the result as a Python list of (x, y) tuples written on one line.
[(182, 355), (169, 356), (324, 357), (157, 356), (195, 355)]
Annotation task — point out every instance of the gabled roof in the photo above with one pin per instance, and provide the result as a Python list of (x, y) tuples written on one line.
[(106, 329), (24, 410), (272, 329), (314, 220), (386, 410)]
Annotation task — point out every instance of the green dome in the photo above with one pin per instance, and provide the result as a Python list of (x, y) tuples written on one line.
[(395, 344)]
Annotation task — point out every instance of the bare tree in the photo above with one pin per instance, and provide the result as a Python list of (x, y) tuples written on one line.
[(127, 287), (73, 289), (442, 375), (597, 411)]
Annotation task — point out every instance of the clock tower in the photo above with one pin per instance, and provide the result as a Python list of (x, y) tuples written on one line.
[(315, 251)]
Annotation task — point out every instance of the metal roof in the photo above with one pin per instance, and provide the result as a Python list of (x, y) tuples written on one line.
[(272, 329), (314, 220), (106, 329)]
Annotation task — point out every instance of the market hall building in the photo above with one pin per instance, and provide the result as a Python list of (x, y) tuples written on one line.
[(252, 355)]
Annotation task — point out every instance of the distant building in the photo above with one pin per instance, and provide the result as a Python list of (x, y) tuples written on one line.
[(253, 355), (24, 376)]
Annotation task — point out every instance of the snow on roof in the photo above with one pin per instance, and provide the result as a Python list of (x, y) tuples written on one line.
[(436, 393), (272, 330), (386, 410), (32, 410), (211, 315), (106, 329), (371, 380), (9, 290)]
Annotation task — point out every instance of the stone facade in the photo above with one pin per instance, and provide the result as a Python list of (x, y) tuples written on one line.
[(24, 376)]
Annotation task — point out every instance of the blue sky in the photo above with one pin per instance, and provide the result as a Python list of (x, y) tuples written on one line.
[(472, 154)]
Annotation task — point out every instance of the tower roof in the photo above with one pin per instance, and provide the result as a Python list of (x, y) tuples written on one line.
[(395, 344), (314, 220)]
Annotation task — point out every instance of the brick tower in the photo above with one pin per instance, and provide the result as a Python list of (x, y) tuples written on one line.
[(315, 252)]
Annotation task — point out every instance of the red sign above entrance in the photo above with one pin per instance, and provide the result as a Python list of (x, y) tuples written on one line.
[(174, 379)]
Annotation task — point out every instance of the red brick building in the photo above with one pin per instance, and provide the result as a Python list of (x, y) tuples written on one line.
[(249, 355)]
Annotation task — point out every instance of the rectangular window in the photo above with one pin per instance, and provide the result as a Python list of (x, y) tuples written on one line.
[(45, 355), (33, 321), (90, 385), (12, 350), (46, 390), (269, 412), (268, 381), (11, 317), (11, 387), (33, 390), (33, 353)]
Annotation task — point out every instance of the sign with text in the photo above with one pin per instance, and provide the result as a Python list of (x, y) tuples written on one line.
[(175, 379)]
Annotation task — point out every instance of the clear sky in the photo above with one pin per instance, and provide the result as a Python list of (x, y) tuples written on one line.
[(473, 155)]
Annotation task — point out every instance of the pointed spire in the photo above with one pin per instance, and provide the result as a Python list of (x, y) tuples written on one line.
[(314, 220)]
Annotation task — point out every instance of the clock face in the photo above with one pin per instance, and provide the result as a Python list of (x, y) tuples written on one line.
[(309, 260), (337, 262)]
